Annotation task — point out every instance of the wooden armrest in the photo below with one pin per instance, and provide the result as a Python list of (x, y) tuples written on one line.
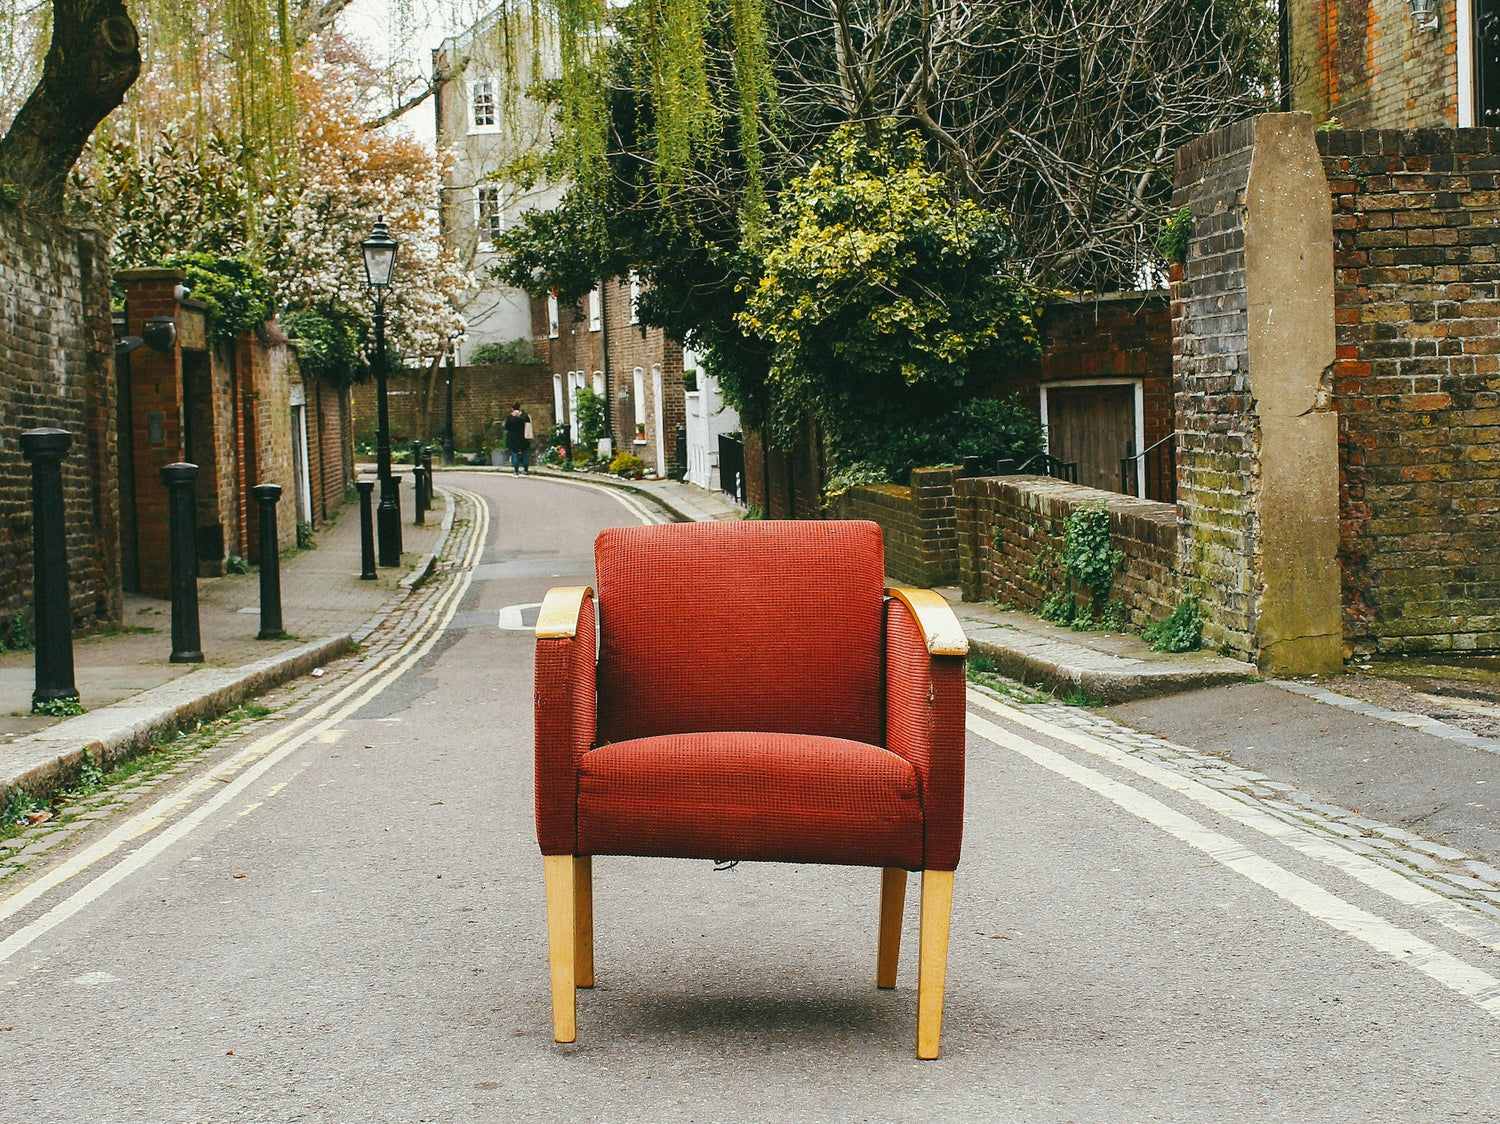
[(558, 616), (935, 617)]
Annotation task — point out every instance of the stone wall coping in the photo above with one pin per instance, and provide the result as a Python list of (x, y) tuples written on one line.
[(1124, 296), (1078, 494), (154, 273)]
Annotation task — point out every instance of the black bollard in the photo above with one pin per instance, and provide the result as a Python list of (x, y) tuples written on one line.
[(427, 464), (388, 520), (53, 623), (366, 531), (419, 496), (182, 516), (270, 562)]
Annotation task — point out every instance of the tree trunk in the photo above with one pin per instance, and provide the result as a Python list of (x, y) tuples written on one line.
[(93, 59)]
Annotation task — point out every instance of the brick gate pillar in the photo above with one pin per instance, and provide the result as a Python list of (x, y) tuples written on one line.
[(1253, 353), (156, 419)]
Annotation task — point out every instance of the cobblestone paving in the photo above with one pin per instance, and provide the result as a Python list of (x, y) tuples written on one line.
[(191, 751), (1444, 870)]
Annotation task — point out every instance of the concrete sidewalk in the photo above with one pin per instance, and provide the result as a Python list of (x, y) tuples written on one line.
[(132, 692)]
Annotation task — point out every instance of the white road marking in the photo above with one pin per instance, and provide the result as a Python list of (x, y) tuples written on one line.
[(510, 617), (625, 499), (1399, 944), (1452, 915), (270, 750)]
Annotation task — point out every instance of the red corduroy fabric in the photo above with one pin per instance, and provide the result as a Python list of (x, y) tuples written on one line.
[(925, 725), (772, 626), (565, 723), (752, 796)]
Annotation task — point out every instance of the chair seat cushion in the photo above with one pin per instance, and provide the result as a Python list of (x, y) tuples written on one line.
[(752, 796)]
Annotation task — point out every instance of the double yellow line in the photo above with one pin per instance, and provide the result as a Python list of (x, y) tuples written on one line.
[(251, 763)]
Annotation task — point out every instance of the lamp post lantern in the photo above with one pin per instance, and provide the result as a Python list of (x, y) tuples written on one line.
[(380, 263)]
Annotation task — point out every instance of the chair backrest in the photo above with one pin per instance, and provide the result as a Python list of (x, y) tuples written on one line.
[(771, 626)]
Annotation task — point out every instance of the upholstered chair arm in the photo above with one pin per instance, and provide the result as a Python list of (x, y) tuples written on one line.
[(924, 716), (565, 712)]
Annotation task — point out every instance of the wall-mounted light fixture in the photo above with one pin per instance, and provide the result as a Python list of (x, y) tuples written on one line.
[(1424, 14)]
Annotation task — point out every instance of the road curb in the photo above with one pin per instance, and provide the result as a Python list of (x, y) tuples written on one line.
[(428, 562), (1106, 679), (44, 762)]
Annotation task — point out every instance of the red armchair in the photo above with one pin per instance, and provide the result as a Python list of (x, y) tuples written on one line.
[(758, 694)]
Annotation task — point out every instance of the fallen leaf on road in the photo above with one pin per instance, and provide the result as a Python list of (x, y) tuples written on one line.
[(239, 876)]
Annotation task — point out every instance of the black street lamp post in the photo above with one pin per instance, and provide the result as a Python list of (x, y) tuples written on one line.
[(380, 263), (448, 418)]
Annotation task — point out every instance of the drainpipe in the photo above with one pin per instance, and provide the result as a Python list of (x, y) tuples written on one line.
[(1284, 54)]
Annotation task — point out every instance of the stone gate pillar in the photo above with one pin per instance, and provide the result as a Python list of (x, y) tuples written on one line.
[(1253, 347)]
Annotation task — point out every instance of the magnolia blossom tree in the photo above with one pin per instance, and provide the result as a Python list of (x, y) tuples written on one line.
[(348, 173), (180, 190)]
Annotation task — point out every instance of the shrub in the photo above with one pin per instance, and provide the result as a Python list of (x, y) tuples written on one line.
[(519, 351), (991, 429), (590, 412), (237, 294), (626, 464), (1181, 630)]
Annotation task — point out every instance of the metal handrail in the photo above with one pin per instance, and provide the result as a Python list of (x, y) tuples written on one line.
[(1155, 466), (1050, 466)]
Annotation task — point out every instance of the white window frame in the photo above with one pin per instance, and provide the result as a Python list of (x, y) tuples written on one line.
[(640, 406), (596, 310), (1463, 31), (554, 318), (488, 221), (483, 88), (635, 297), (659, 409)]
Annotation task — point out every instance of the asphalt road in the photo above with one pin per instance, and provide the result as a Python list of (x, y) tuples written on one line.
[(347, 925)]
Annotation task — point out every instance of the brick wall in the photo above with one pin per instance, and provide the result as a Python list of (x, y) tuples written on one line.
[(919, 525), (1010, 542), (786, 484), (1417, 385), (1367, 63), (1107, 336), (482, 396), (56, 369), (330, 446), (1218, 434)]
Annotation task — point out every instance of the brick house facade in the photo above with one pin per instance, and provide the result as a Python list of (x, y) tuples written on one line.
[(601, 343), (1395, 64)]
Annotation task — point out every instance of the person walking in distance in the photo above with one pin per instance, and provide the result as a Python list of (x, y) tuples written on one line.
[(518, 434)]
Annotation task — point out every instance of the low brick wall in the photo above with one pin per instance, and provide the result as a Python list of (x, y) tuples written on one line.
[(919, 524), (1007, 524)]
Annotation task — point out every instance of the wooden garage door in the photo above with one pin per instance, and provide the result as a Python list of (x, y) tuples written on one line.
[(1095, 426)]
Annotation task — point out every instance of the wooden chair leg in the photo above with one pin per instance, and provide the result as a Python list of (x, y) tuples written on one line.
[(892, 902), (932, 963), (583, 922), (562, 921)]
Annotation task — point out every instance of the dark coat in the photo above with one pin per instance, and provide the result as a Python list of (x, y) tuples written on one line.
[(515, 432)]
